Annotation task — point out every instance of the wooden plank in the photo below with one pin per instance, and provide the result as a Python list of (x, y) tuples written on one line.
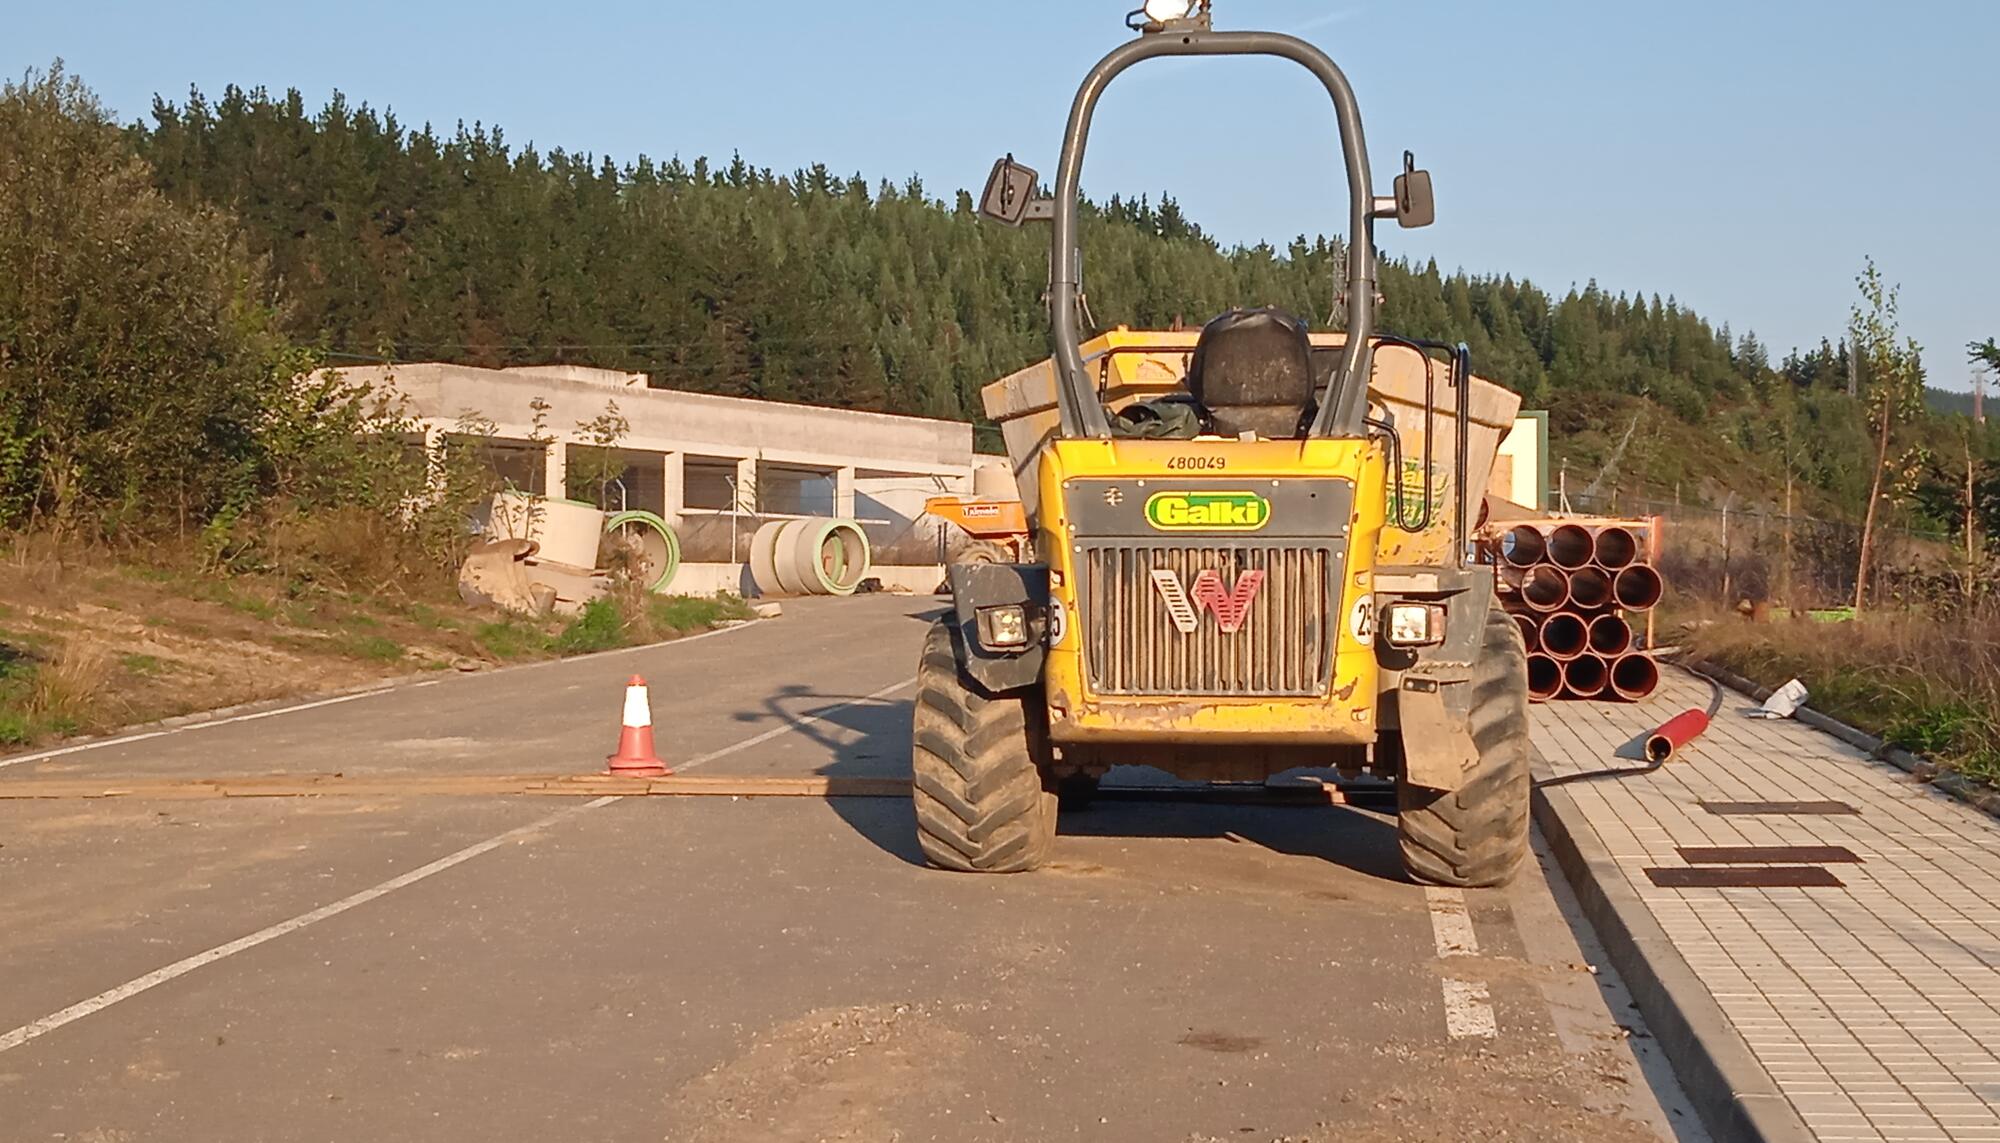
[(438, 785), (597, 785)]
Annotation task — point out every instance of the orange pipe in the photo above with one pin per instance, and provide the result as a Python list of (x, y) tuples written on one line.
[(1586, 675), (1571, 547), (1545, 678), (1634, 677)]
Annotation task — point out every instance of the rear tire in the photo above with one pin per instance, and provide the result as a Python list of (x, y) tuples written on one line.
[(982, 803), (984, 552), (1476, 836)]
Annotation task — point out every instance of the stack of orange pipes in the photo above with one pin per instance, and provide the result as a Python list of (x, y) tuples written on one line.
[(1575, 588)]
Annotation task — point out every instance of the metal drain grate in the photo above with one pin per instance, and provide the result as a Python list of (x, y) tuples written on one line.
[(1767, 855), (1746, 877)]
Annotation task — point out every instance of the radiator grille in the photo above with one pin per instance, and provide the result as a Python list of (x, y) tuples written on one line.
[(1132, 646)]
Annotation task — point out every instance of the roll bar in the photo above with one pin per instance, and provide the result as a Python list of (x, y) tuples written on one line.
[(1345, 402)]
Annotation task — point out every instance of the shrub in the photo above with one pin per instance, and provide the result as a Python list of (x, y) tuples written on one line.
[(600, 626)]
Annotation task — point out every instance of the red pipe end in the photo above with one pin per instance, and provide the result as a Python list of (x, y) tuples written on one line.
[(1675, 733)]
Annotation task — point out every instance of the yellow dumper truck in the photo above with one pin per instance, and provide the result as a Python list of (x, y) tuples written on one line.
[(1246, 551)]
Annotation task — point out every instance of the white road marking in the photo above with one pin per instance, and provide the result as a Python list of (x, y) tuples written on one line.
[(1451, 923), (1468, 1011), (185, 965), (182, 967), (790, 725), (1468, 1008), (122, 740), (206, 723), (62, 750)]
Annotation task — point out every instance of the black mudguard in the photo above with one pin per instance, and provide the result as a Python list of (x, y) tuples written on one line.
[(974, 586)]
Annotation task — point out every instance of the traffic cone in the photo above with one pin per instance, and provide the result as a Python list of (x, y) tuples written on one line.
[(635, 757)]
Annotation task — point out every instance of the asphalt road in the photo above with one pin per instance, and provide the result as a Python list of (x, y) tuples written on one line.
[(481, 968)]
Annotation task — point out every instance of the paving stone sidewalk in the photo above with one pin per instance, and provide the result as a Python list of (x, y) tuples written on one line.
[(1875, 1006)]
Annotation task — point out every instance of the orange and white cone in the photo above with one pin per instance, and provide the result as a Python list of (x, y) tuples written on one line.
[(635, 757)]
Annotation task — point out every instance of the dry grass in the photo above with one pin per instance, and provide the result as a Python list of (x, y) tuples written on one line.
[(1929, 685), (67, 688), (91, 640)]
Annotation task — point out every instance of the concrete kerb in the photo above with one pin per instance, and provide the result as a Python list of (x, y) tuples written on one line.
[(1916, 765), (1737, 1099)]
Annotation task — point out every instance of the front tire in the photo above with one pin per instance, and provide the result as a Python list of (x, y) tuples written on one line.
[(982, 803), (1476, 837)]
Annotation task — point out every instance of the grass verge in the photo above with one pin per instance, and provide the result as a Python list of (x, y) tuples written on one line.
[(90, 643), (1930, 686)]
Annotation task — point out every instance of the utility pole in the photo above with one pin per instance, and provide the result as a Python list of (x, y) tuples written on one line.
[(1971, 559), (1726, 592), (1789, 601)]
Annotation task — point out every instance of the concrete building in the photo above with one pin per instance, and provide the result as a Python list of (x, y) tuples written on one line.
[(714, 467)]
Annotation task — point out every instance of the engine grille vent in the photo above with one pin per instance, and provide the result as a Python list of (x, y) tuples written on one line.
[(1135, 646)]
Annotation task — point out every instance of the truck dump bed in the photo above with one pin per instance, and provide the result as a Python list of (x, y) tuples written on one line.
[(1134, 365)]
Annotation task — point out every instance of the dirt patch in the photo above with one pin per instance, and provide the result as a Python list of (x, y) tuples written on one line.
[(1220, 1042), (1478, 1094), (829, 1075)]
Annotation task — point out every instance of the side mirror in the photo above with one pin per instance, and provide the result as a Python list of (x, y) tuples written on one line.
[(1009, 196), (1414, 205)]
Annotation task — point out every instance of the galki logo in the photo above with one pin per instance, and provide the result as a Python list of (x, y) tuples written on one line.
[(1231, 605)]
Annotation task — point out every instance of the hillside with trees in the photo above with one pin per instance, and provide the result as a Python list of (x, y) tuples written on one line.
[(730, 278), (361, 239)]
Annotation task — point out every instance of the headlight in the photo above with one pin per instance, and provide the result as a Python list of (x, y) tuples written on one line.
[(1415, 624), (1161, 11), (1004, 627)]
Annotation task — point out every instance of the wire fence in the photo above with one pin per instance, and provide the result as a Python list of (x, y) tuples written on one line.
[(1802, 562)]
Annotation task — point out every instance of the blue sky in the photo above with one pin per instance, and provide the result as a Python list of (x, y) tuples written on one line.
[(1742, 156)]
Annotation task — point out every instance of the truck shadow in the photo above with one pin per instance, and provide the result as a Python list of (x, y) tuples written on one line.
[(870, 738)]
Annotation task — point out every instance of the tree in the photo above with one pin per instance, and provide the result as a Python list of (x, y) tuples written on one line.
[(1891, 366), (138, 341), (1985, 353)]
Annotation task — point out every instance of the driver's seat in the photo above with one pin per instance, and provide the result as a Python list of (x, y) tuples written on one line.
[(1252, 372)]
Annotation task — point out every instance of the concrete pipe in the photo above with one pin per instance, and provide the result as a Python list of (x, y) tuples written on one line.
[(1589, 588), (1586, 675), (1545, 588), (1616, 547), (568, 531), (649, 547), (1610, 635), (1571, 547), (821, 557), (1545, 678), (855, 558), (1638, 588), (1524, 546), (784, 564), (1565, 635), (1531, 632), (1633, 677), (763, 552)]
